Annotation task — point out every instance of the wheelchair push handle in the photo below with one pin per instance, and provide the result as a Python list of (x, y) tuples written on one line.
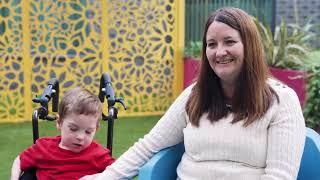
[(51, 92), (121, 101), (106, 91)]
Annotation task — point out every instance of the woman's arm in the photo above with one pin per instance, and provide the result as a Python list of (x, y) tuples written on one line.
[(286, 137), (15, 170), (89, 177), (167, 132)]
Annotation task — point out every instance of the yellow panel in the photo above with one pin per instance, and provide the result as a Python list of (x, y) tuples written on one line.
[(143, 53), (12, 87), (26, 59), (139, 43)]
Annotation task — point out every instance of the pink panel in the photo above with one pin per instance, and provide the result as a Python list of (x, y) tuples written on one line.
[(292, 78), (191, 70)]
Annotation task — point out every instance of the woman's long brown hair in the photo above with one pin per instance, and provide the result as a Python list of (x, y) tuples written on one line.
[(252, 96)]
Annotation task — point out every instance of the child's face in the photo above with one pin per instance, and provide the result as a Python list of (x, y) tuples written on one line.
[(77, 131)]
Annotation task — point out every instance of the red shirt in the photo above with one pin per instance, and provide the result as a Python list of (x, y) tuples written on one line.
[(52, 162)]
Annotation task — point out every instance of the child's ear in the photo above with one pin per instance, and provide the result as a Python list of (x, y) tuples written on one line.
[(58, 123)]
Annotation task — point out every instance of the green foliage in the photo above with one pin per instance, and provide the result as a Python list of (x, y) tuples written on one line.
[(312, 60), (289, 46), (193, 49), (312, 108)]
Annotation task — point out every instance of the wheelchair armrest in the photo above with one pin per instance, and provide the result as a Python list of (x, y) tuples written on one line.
[(310, 162), (162, 165)]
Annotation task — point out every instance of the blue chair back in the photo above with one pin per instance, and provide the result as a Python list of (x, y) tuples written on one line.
[(310, 162), (163, 165)]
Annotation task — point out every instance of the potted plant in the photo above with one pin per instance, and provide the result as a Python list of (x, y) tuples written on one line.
[(192, 57), (286, 52), (311, 110)]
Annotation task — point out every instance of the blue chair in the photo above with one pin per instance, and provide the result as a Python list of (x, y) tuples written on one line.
[(310, 162), (163, 165)]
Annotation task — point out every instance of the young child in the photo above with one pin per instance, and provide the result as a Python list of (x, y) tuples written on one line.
[(73, 154)]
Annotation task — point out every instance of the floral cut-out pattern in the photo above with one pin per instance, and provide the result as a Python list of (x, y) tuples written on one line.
[(76, 41)]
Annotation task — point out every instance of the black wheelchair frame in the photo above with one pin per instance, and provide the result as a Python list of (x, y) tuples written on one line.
[(52, 92)]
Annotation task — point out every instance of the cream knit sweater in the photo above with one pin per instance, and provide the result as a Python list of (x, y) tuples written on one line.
[(268, 149)]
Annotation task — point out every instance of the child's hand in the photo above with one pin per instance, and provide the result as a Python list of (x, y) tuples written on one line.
[(89, 177)]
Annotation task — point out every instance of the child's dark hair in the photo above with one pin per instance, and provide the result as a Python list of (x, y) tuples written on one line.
[(79, 101)]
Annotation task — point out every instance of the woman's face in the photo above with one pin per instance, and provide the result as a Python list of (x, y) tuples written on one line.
[(224, 51)]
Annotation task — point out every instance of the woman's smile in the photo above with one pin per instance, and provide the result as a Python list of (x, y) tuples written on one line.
[(225, 61)]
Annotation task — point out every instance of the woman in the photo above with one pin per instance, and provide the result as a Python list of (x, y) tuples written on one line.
[(236, 122)]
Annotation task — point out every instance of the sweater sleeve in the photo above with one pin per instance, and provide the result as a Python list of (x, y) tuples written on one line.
[(286, 136), (167, 132)]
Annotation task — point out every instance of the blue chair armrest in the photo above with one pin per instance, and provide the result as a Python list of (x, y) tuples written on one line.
[(162, 165), (310, 162)]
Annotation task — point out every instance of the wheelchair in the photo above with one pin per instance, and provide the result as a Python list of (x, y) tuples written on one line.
[(52, 92)]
